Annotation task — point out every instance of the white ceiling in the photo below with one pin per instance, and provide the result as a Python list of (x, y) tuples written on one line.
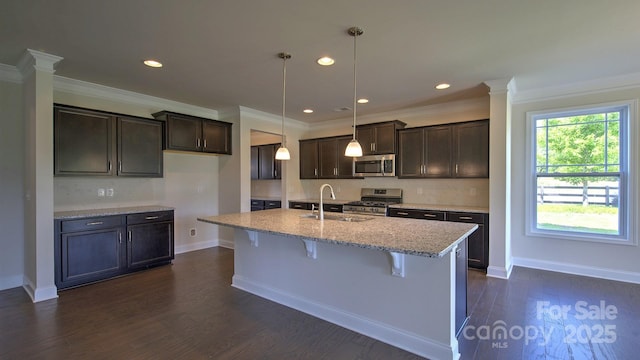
[(223, 53)]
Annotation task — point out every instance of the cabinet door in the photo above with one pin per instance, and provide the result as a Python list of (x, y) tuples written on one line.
[(385, 139), (184, 133), (90, 256), (471, 142), (149, 244), (266, 162), (411, 152), (308, 159), (366, 136), (216, 137), (139, 147), (344, 163), (437, 153), (255, 160), (84, 142), (478, 248), (327, 159)]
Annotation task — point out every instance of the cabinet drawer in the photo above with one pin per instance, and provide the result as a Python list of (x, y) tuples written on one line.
[(272, 204), (258, 203), (332, 207), (299, 205), (466, 217), (417, 214), (87, 224), (156, 216)]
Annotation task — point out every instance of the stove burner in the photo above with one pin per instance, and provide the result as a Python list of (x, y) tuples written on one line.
[(374, 201)]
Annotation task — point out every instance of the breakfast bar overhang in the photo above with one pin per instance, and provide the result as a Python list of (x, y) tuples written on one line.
[(392, 279)]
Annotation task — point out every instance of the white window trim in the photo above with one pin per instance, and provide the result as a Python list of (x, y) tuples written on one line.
[(628, 178)]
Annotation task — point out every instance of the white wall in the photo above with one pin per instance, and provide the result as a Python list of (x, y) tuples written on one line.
[(11, 186), (588, 258)]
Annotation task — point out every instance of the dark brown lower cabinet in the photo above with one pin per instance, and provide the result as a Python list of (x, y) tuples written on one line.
[(98, 248), (478, 241)]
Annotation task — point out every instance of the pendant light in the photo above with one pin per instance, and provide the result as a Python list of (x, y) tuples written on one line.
[(353, 148), (283, 152)]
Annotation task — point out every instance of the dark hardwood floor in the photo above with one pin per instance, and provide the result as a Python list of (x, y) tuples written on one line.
[(189, 311)]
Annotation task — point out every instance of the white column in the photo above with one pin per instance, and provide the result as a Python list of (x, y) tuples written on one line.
[(500, 259), (37, 72)]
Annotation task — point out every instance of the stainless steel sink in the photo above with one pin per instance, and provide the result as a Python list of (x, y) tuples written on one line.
[(342, 217)]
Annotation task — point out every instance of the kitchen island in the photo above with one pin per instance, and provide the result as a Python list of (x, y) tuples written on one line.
[(391, 279)]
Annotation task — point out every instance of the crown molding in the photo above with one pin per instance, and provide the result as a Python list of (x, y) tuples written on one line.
[(428, 110), (83, 88), (595, 86), (272, 118), (10, 73), (33, 60)]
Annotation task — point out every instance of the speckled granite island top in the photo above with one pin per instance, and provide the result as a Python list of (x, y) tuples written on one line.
[(73, 214), (408, 236)]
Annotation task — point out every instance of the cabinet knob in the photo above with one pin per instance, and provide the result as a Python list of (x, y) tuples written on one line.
[(94, 223), (151, 217), (204, 145)]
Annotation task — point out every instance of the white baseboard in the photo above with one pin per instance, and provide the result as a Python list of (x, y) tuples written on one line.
[(591, 271), (10, 282), (390, 335), (500, 272), (195, 246), (229, 244), (41, 293)]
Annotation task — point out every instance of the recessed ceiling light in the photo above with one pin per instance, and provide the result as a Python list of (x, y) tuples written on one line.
[(325, 61), (442, 86), (307, 111), (153, 63), (363, 101)]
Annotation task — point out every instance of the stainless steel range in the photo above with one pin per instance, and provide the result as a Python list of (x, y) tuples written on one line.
[(373, 201)]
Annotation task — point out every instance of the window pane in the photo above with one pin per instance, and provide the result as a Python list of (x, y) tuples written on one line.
[(587, 204), (578, 144)]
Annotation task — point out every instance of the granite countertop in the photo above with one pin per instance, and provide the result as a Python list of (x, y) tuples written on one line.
[(327, 200), (73, 214), (459, 208), (408, 236)]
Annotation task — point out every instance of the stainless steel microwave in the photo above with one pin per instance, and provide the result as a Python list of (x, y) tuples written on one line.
[(375, 165)]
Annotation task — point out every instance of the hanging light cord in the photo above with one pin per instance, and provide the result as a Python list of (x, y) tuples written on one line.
[(284, 91), (354, 83)]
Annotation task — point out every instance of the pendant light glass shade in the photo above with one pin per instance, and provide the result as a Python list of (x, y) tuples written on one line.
[(283, 152), (353, 148)]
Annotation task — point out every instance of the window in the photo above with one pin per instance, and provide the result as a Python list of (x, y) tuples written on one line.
[(579, 173)]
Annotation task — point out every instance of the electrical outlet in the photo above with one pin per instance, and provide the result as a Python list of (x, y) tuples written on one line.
[(110, 192), (419, 191), (192, 232), (472, 191), (100, 192)]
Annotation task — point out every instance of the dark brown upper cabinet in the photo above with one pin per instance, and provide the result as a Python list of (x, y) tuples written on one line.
[(459, 150), (309, 159), (95, 143), (264, 165), (324, 158), (332, 163), (192, 133), (425, 152), (378, 138), (471, 149)]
